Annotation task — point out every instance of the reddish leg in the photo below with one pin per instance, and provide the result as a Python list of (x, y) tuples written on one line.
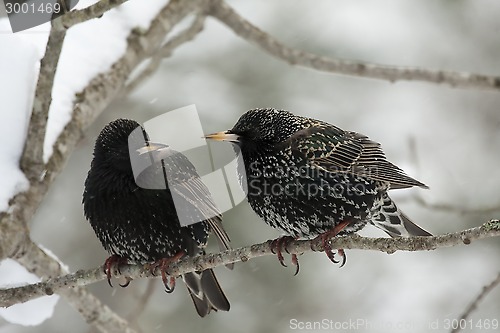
[(325, 241), (108, 266), (277, 246), (163, 265)]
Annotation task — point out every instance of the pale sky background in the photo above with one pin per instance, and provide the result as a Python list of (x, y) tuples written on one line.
[(456, 138)]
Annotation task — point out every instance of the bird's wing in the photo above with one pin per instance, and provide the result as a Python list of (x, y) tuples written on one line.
[(335, 150), (184, 181), (196, 194)]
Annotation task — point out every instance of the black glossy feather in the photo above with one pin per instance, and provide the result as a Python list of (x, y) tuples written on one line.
[(141, 223), (321, 175)]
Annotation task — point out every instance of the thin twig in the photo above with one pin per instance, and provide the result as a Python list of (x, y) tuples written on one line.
[(441, 206), (486, 290), (456, 209), (12, 296), (88, 13), (166, 51), (251, 33), (141, 303)]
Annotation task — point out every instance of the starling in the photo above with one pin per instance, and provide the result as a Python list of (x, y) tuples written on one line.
[(309, 178), (135, 217)]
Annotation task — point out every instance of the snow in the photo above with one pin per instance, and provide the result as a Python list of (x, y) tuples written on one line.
[(90, 48), (225, 75), (83, 57), (32, 312), (51, 254), (17, 84)]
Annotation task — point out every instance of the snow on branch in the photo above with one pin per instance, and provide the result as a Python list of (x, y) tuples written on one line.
[(12, 296), (251, 33), (107, 86), (90, 102), (32, 158)]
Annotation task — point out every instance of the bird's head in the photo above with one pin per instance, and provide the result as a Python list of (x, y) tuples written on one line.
[(261, 127), (115, 142)]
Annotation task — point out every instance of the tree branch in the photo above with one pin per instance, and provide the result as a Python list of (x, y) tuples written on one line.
[(89, 103), (94, 11), (141, 303), (32, 157), (32, 162), (103, 89), (12, 296), (486, 290), (91, 308), (446, 207), (253, 34), (166, 51)]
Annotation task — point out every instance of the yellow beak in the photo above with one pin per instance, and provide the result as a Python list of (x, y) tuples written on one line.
[(223, 136)]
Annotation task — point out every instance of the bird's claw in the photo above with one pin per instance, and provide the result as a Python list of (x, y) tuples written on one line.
[(277, 246), (108, 267), (295, 261), (163, 264), (325, 240), (330, 253)]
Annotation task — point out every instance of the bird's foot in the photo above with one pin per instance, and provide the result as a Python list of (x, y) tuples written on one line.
[(163, 264), (325, 241), (108, 267), (277, 246)]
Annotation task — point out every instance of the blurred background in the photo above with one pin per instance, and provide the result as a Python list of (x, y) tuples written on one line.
[(447, 138)]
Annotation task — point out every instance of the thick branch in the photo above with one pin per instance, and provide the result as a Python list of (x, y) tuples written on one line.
[(12, 296), (91, 308), (98, 94), (32, 158), (251, 33)]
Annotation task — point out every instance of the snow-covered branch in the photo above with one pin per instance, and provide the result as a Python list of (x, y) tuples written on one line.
[(102, 89), (12, 296), (90, 102), (32, 158)]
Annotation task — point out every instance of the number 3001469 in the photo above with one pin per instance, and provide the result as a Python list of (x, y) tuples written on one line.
[(32, 8), (480, 324)]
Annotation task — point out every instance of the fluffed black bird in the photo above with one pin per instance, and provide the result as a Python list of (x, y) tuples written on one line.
[(310, 178), (140, 224)]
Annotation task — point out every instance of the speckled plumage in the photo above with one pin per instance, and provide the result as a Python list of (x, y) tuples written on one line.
[(305, 176), (140, 223)]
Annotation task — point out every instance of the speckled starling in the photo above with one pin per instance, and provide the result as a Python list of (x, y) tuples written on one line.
[(310, 178), (139, 224)]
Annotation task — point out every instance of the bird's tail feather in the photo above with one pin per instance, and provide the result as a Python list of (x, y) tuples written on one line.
[(391, 220), (206, 292)]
